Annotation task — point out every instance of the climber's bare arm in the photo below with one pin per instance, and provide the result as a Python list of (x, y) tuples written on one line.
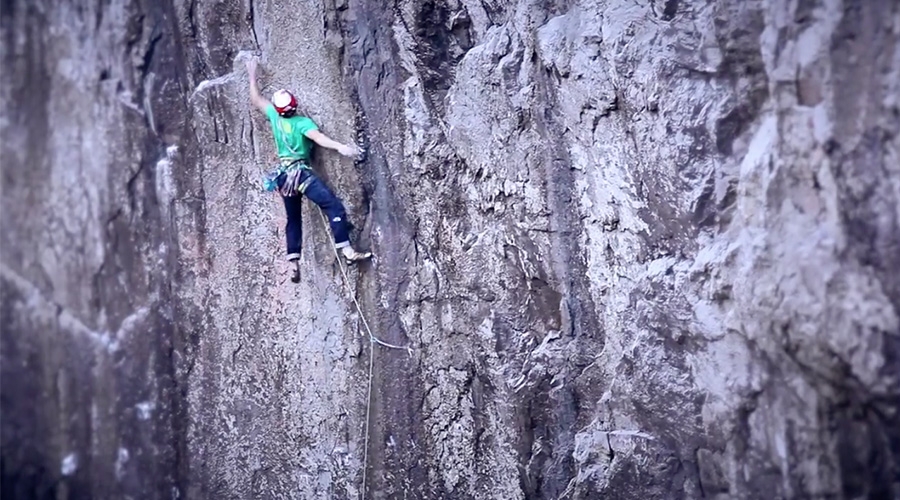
[(255, 98), (327, 142), (323, 140)]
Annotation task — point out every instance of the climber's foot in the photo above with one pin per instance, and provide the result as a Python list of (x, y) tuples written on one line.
[(352, 256), (295, 274)]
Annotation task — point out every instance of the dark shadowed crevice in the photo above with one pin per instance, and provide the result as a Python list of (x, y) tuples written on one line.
[(397, 438)]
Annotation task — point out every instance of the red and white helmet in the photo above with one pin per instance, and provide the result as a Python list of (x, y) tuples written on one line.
[(285, 102)]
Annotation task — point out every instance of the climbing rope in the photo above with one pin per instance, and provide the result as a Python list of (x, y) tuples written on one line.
[(362, 316), (372, 341)]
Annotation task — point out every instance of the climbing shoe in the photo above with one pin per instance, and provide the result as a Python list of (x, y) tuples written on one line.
[(352, 256), (295, 274)]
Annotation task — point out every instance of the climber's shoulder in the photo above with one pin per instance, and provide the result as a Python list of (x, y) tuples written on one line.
[(306, 124)]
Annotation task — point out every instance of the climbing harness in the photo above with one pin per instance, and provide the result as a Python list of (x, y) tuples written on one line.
[(372, 341), (290, 185)]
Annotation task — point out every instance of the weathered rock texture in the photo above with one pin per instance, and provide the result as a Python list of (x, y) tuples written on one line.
[(638, 249)]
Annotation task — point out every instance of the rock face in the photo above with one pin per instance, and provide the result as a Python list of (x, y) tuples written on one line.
[(635, 249)]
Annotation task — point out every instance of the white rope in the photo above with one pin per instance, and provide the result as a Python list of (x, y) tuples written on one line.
[(368, 408), (362, 316), (372, 341)]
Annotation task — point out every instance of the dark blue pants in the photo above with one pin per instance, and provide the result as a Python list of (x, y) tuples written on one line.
[(321, 195)]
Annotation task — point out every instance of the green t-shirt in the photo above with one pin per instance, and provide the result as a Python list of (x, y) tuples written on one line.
[(290, 134)]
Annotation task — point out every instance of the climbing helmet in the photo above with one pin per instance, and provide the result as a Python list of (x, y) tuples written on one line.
[(285, 102)]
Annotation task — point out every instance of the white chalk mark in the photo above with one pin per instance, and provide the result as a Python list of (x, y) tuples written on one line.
[(631, 433), (121, 460), (69, 464), (125, 99), (215, 82), (145, 409), (222, 80)]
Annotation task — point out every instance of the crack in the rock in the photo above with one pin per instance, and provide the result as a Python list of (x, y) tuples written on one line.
[(235, 352), (252, 20)]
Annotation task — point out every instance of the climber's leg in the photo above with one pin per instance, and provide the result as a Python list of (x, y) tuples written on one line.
[(294, 232), (321, 195)]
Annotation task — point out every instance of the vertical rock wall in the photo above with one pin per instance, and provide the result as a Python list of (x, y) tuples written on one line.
[(637, 250), (90, 401)]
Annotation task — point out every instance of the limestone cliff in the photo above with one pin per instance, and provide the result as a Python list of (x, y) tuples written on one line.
[(637, 249)]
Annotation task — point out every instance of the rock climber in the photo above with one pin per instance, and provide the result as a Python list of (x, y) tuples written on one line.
[(293, 178)]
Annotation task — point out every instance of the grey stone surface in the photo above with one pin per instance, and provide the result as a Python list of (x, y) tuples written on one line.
[(637, 250)]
